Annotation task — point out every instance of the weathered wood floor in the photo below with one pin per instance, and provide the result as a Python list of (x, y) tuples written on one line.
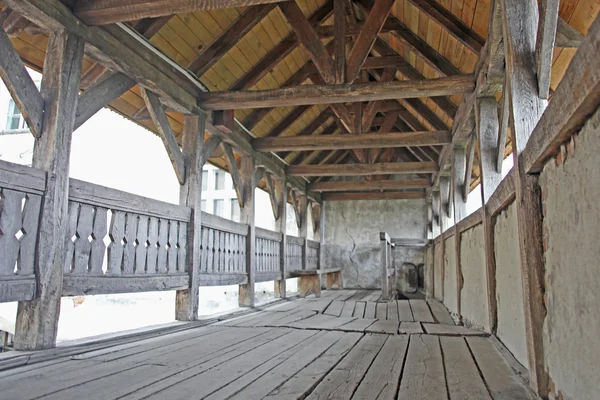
[(342, 346)]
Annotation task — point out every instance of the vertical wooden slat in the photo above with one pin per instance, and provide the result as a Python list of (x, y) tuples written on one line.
[(182, 248), (131, 224), (163, 238), (31, 218), (98, 246), (10, 224), (152, 251), (172, 251), (73, 214), (83, 246), (140, 249), (37, 320), (115, 248)]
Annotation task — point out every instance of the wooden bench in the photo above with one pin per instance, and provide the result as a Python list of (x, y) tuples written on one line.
[(310, 280)]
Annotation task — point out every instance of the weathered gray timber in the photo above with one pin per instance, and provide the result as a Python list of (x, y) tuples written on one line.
[(267, 253), (37, 320), (190, 195), (245, 186)]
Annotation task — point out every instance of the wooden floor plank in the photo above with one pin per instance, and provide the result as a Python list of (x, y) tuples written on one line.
[(276, 376), (404, 311), (345, 377), (307, 379), (269, 372), (462, 376), (423, 376), (321, 321), (348, 309), (335, 308), (359, 309), (381, 311), (207, 382), (288, 319), (440, 313), (421, 311), (384, 326), (78, 375), (358, 325), (451, 330), (392, 311), (382, 378), (370, 310), (501, 381), (410, 327)]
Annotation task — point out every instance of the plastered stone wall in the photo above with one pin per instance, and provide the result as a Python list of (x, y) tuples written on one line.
[(571, 203), (438, 273), (509, 286), (473, 296), (352, 235), (450, 294)]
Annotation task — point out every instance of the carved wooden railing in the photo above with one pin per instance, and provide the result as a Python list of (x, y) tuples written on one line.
[(268, 255), (223, 260), (295, 247), (21, 190), (388, 268), (119, 242), (312, 254)]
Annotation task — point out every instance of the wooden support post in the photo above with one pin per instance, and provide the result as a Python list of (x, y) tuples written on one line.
[(488, 128), (247, 216), (445, 203), (385, 290), (37, 320), (190, 195), (460, 212), (520, 24), (280, 190), (302, 204)]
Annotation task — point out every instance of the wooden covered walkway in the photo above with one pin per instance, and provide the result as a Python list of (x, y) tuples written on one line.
[(345, 345)]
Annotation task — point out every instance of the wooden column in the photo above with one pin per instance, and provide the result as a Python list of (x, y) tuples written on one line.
[(459, 204), (37, 320), (303, 226), (520, 26), (385, 290), (190, 195), (247, 168), (488, 128), (437, 211), (280, 187)]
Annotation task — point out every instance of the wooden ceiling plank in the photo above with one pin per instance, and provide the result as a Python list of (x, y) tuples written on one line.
[(310, 40), (229, 38), (288, 120), (366, 39), (362, 169), (103, 12)]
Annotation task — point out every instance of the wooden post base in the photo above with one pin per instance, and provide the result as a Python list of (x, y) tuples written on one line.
[(246, 295), (334, 279), (279, 286), (309, 283)]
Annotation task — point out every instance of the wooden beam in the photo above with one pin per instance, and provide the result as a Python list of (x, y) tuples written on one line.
[(346, 196), (166, 133), (100, 94), (353, 141), (103, 12), (209, 147), (362, 169), (234, 171), (487, 136), (309, 38), (412, 40), (567, 36), (546, 36), (25, 94), (574, 101), (37, 320), (453, 25), (520, 22), (332, 94), (229, 38), (339, 40), (342, 186), (279, 52), (365, 40)]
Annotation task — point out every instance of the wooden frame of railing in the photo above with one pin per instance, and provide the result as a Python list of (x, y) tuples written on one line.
[(388, 266), (118, 242)]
